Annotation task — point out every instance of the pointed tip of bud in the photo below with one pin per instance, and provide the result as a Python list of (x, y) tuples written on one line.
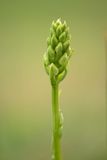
[(65, 23), (58, 21)]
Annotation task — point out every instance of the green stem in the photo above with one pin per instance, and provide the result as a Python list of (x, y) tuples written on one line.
[(56, 120)]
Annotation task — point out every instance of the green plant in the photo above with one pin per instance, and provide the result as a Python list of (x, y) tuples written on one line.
[(56, 60)]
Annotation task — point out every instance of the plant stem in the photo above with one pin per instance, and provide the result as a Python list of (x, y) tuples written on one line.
[(56, 120)]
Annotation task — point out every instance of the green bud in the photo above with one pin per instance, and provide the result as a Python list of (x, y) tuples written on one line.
[(48, 41), (64, 25), (70, 52), (58, 22), (46, 63), (52, 31), (62, 37), (62, 75), (68, 37), (64, 59), (51, 54), (58, 51), (58, 31), (53, 71), (54, 41), (58, 48), (67, 30), (66, 45), (53, 23), (45, 58)]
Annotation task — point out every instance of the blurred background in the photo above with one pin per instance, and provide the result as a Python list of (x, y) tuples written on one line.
[(25, 91)]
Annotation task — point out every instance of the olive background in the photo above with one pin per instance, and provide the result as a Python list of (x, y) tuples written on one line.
[(25, 90)]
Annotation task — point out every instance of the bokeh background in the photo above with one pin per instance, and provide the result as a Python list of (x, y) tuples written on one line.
[(25, 91)]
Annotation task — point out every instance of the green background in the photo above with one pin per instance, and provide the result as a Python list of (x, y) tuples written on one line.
[(25, 91)]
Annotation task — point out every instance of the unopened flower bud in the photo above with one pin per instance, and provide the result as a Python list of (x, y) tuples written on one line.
[(58, 51)]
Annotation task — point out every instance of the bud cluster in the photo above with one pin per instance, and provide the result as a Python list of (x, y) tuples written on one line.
[(58, 51)]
